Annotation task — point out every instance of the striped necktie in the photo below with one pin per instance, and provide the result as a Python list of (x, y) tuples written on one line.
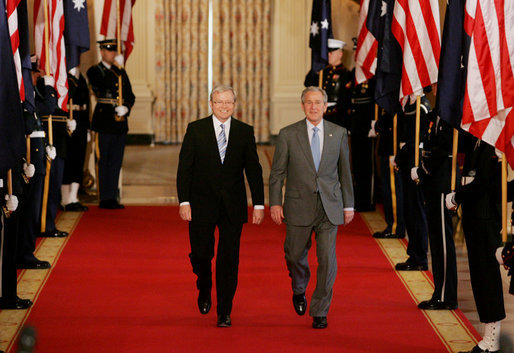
[(222, 142)]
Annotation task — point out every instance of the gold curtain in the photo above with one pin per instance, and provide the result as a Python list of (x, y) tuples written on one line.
[(181, 50), (241, 58)]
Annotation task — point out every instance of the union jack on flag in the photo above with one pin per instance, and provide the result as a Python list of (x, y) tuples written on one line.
[(487, 112)]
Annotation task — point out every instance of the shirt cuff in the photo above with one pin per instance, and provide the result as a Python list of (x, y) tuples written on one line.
[(258, 207), (348, 209), (185, 203)]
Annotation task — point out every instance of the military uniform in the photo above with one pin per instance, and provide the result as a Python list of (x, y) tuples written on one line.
[(415, 215), (77, 143), (363, 162), (111, 129), (435, 175), (46, 101), (337, 82)]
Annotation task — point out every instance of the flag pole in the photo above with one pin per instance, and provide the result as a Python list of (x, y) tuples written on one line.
[(418, 123), (118, 42), (46, 186), (320, 80), (392, 174), (504, 198), (453, 181), (9, 191)]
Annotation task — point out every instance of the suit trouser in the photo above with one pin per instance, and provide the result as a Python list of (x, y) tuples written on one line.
[(54, 193), (415, 220), (388, 203), (201, 237), (296, 247), (112, 148), (442, 246), (482, 239), (30, 224)]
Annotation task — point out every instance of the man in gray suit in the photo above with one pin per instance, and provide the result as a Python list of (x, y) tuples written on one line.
[(313, 155)]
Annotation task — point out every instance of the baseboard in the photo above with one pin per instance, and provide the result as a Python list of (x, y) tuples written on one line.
[(140, 139)]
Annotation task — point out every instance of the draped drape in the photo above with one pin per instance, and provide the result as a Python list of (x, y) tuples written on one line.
[(181, 51), (241, 58)]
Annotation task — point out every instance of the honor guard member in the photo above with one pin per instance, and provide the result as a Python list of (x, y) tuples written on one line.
[(336, 81), (479, 195), (110, 120), (30, 225), (363, 161), (383, 129), (78, 99), (434, 176), (46, 98), (413, 200)]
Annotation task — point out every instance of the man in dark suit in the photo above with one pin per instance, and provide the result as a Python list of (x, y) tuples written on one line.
[(215, 152), (313, 155)]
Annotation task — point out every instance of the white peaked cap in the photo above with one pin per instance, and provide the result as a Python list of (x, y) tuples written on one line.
[(335, 44)]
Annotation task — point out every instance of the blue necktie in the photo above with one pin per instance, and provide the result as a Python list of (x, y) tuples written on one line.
[(315, 147), (222, 143)]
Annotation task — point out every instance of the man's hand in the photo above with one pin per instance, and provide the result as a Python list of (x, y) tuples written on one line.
[(348, 216), (414, 174), (49, 80), (185, 212), (372, 132), (11, 202), (71, 124), (258, 216), (120, 60), (277, 214), (29, 170), (51, 152), (121, 110), (450, 201)]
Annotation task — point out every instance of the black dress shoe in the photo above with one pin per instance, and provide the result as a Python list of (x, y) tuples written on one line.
[(17, 304), (224, 321), (387, 234), (110, 205), (436, 304), (204, 303), (477, 349), (34, 265), (300, 303), (408, 266), (319, 322), (75, 207), (54, 234)]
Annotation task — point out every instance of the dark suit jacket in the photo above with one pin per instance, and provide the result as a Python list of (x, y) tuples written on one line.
[(207, 184)]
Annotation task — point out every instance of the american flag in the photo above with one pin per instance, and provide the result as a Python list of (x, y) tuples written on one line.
[(416, 26), (12, 20), (56, 52), (487, 112), (366, 53), (109, 27)]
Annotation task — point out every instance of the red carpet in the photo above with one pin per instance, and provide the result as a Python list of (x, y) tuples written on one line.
[(123, 284)]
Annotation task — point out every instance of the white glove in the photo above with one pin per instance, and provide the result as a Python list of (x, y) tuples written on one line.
[(450, 201), (498, 255), (414, 174), (88, 135), (29, 170), (71, 124), (392, 162), (121, 110), (74, 72), (11, 202), (51, 152), (402, 144), (498, 153), (372, 132), (120, 60), (49, 80)]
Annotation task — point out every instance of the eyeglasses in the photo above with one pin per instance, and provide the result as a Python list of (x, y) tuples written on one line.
[(223, 103)]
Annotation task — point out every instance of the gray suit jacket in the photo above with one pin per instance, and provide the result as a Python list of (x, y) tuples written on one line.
[(293, 161)]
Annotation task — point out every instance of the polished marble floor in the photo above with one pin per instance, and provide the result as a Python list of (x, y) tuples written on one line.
[(149, 176)]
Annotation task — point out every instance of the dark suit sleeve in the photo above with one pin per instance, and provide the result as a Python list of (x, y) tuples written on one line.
[(253, 170), (185, 166)]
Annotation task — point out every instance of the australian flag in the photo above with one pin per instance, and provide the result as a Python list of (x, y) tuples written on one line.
[(389, 55), (452, 69), (12, 132), (320, 31), (76, 31)]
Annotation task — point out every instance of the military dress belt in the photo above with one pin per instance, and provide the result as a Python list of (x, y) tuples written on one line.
[(55, 118), (76, 107), (107, 101), (363, 100), (37, 134)]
